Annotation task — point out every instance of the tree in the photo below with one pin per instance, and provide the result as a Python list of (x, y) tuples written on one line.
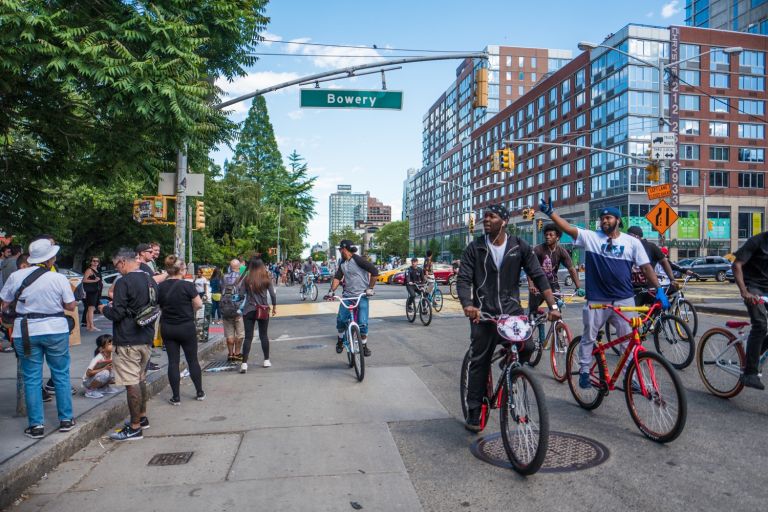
[(456, 246), (392, 238), (434, 246), (345, 234)]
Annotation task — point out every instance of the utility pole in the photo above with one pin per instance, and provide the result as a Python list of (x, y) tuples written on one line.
[(279, 217), (181, 203), (189, 211)]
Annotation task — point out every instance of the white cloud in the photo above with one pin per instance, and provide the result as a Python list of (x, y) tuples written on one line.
[(670, 9), (296, 114), (298, 48), (342, 57), (268, 35)]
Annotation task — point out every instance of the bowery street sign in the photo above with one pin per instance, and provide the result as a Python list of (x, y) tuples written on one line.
[(659, 191), (341, 98), (661, 217)]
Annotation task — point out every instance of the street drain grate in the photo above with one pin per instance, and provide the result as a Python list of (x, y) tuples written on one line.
[(567, 452), (314, 346), (170, 459), (222, 366)]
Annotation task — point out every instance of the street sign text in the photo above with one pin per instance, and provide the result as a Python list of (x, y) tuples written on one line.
[(340, 98), (659, 191), (663, 146)]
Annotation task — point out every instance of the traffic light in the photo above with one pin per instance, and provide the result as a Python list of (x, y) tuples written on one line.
[(481, 88), (528, 213), (496, 162), (540, 224), (507, 160), (471, 223), (653, 171), (200, 215), (272, 251)]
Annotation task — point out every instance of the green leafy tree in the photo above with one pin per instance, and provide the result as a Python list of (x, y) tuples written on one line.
[(392, 239), (434, 246), (456, 246), (345, 234)]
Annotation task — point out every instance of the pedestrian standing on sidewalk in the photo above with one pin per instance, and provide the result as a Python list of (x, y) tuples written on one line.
[(179, 300), (92, 287), (255, 287), (41, 330), (234, 332), (135, 291), (215, 295)]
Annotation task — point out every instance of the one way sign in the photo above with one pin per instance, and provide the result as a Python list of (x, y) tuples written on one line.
[(664, 146)]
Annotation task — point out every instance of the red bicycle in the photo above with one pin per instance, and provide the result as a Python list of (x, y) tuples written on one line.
[(655, 396)]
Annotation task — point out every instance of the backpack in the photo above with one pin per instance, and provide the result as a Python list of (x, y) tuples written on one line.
[(229, 305)]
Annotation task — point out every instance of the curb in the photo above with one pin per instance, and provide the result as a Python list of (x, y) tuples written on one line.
[(722, 311), (29, 466)]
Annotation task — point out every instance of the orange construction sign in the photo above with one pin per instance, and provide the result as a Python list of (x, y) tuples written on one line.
[(661, 217), (659, 191)]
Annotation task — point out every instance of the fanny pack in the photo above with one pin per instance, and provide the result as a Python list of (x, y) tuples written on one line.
[(148, 314)]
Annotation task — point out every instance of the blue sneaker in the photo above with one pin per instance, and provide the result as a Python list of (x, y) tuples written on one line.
[(584, 382)]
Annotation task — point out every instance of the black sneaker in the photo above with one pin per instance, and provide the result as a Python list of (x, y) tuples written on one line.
[(67, 425), (49, 387), (200, 396), (144, 422), (366, 350), (127, 434), (339, 345), (174, 400), (35, 432), (473, 420), (47, 397), (152, 367), (752, 381)]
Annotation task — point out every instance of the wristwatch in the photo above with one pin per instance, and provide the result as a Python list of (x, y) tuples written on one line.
[(553, 307)]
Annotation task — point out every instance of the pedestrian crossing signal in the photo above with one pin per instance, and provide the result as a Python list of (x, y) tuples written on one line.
[(200, 215)]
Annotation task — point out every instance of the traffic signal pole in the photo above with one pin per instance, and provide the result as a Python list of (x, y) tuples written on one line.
[(181, 203)]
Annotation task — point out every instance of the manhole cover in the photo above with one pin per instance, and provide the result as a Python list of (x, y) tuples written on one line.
[(315, 346), (170, 459), (567, 452), (222, 366)]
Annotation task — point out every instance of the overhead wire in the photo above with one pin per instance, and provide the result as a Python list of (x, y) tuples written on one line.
[(362, 47)]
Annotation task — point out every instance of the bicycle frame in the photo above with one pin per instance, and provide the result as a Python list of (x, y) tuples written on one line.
[(353, 319), (741, 337)]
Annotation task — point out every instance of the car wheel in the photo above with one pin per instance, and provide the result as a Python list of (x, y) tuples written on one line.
[(720, 276)]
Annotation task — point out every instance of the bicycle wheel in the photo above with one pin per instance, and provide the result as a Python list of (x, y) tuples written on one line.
[(302, 295), (587, 398), (720, 360), (313, 293), (453, 289), (464, 385), (425, 311), (685, 311), (437, 299), (357, 352), (561, 339), (410, 309), (538, 348), (524, 421), (676, 348), (659, 410)]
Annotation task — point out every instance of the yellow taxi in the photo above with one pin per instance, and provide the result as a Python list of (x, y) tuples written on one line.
[(386, 275)]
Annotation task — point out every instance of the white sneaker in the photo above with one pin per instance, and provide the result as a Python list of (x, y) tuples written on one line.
[(92, 393), (109, 390), (267, 364), (243, 367)]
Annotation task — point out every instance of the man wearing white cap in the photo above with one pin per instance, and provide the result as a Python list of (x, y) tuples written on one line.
[(41, 330)]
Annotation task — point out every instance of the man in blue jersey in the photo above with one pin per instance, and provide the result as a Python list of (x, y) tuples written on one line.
[(610, 255)]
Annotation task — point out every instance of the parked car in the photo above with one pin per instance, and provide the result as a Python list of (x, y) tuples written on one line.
[(706, 267), (75, 278), (398, 278), (386, 275), (564, 277), (729, 276), (442, 272), (324, 275), (107, 280)]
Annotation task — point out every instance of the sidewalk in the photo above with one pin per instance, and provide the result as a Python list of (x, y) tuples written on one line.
[(23, 461)]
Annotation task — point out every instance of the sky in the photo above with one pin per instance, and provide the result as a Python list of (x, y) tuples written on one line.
[(373, 149)]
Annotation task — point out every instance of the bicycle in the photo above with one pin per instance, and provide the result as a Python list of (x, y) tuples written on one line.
[(650, 382), (435, 297), (424, 306), (351, 337), (721, 357), (519, 397), (557, 339), (682, 307), (672, 338), (308, 288), (452, 287)]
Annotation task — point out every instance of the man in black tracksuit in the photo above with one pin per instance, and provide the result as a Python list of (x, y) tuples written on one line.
[(413, 276), (488, 281)]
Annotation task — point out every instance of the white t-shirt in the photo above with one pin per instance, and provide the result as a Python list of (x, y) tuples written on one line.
[(46, 295), (96, 360), (497, 251), (202, 285)]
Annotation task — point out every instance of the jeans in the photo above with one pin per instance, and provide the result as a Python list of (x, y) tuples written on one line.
[(215, 313), (757, 342), (55, 349), (362, 317)]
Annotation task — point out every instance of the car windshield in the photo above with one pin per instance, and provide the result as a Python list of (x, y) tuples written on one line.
[(686, 261)]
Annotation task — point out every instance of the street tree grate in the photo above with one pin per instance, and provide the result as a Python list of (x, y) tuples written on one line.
[(221, 366), (567, 452), (315, 346), (170, 459)]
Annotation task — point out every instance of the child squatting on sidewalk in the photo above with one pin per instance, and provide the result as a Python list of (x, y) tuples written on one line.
[(99, 376)]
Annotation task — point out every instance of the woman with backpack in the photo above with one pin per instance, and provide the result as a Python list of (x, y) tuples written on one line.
[(255, 286)]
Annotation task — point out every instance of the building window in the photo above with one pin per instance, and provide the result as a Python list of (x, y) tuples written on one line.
[(553, 154), (689, 177), (718, 104), (690, 77), (565, 128), (719, 153), (718, 178), (508, 76), (521, 62), (689, 52), (750, 223), (552, 173), (533, 77), (521, 76), (581, 164), (565, 169), (566, 107), (751, 180), (565, 191), (719, 80), (718, 57), (533, 62), (540, 159), (753, 60), (689, 102), (751, 83), (520, 90), (581, 121), (751, 131), (580, 188), (718, 129), (540, 178), (580, 99), (566, 89), (689, 127), (508, 61), (751, 155), (580, 78), (754, 107)]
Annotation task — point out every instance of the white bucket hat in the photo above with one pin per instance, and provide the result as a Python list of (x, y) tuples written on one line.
[(41, 251)]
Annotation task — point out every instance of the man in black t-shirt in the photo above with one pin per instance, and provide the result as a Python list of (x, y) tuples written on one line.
[(413, 276), (145, 256), (750, 270), (659, 263)]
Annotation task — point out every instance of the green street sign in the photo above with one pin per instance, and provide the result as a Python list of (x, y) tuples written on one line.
[(341, 98)]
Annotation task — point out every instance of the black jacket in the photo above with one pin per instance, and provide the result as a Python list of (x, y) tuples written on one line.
[(480, 283), (414, 275), (131, 294)]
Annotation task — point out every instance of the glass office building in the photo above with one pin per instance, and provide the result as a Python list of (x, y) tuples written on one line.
[(737, 15)]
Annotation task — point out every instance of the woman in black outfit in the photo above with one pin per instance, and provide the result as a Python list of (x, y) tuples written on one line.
[(256, 285), (92, 287), (178, 300)]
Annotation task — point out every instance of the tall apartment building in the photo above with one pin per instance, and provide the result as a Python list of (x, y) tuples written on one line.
[(606, 100), (408, 194), (346, 209), (378, 212), (737, 15)]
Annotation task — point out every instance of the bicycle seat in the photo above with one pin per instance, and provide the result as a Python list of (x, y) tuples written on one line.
[(540, 311), (736, 324)]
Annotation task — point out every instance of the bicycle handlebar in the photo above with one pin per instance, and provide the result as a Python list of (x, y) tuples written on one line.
[(343, 299), (634, 309)]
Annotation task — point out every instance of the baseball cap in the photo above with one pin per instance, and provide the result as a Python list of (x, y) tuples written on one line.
[(665, 251), (143, 247), (348, 245), (635, 230), (611, 210)]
